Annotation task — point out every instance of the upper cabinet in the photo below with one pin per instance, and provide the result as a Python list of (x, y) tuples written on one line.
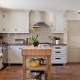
[(58, 22), (1, 21), (16, 22), (10, 23), (23, 22)]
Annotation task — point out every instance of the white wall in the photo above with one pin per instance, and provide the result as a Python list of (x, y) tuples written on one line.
[(72, 15)]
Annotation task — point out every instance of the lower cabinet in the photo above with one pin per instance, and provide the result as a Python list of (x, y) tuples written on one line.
[(59, 55), (1, 63), (15, 54)]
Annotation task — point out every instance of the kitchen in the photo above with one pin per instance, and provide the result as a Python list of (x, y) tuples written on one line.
[(9, 34)]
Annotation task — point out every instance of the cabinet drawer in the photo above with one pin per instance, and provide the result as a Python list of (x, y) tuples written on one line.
[(59, 52), (58, 48), (58, 59)]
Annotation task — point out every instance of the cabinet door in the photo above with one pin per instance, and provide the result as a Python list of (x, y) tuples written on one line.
[(58, 23), (1, 22), (23, 23), (0, 49), (10, 23), (15, 54)]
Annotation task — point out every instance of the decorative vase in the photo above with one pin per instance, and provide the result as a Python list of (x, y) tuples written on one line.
[(57, 41), (35, 44)]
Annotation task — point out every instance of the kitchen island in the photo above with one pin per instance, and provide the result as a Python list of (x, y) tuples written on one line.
[(37, 52)]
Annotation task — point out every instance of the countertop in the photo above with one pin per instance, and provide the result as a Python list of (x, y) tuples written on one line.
[(31, 50), (21, 44)]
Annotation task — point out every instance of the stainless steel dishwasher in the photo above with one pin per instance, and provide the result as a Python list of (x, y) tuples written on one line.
[(5, 55)]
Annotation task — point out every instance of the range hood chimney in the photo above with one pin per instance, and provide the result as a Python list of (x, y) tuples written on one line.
[(40, 20)]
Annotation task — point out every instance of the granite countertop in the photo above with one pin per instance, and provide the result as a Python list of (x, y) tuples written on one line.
[(61, 44), (21, 44)]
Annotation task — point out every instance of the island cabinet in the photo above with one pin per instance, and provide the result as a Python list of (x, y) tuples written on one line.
[(37, 52)]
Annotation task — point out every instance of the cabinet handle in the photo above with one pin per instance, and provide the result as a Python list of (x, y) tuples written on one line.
[(57, 58), (20, 48), (57, 47), (54, 29), (3, 29), (15, 29), (57, 52)]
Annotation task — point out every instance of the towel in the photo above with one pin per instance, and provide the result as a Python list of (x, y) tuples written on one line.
[(1, 55)]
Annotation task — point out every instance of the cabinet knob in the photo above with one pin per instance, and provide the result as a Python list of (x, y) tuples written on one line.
[(20, 48), (3, 29), (15, 29)]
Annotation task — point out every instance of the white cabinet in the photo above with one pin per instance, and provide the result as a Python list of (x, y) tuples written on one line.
[(58, 55), (14, 54), (10, 23), (1, 22), (58, 22), (16, 22), (0, 49), (23, 23)]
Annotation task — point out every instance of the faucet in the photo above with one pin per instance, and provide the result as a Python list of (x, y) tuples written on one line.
[(51, 38)]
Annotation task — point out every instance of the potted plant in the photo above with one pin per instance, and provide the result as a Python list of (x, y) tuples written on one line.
[(57, 38), (34, 38)]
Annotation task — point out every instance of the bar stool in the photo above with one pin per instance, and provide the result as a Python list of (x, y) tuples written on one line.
[(1, 56)]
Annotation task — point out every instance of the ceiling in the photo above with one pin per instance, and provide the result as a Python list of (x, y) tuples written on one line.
[(73, 5)]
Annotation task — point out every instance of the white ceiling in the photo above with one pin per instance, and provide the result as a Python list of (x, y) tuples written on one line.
[(73, 5)]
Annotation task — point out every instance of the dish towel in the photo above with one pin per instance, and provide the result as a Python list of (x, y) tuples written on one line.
[(1, 55)]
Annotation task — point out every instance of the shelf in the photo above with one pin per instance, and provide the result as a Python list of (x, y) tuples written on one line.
[(41, 67)]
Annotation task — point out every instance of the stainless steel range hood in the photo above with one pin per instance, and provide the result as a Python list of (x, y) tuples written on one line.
[(40, 20), (40, 24)]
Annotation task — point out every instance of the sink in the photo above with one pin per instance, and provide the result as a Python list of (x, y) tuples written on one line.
[(45, 44)]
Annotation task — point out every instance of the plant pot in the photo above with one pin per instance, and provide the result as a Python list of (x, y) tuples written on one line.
[(35, 44), (57, 41)]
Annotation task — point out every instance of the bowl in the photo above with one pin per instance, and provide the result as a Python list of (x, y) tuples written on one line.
[(33, 63)]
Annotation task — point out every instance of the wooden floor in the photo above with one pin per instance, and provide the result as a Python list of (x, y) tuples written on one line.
[(70, 71)]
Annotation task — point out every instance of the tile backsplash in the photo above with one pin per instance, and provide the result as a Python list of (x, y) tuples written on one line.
[(43, 35)]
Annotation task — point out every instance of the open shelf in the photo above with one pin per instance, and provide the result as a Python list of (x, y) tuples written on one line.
[(41, 67)]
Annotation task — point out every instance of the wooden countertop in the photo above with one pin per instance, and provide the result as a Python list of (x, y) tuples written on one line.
[(31, 50)]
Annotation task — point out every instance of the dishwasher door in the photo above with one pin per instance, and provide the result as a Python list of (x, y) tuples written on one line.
[(5, 55)]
